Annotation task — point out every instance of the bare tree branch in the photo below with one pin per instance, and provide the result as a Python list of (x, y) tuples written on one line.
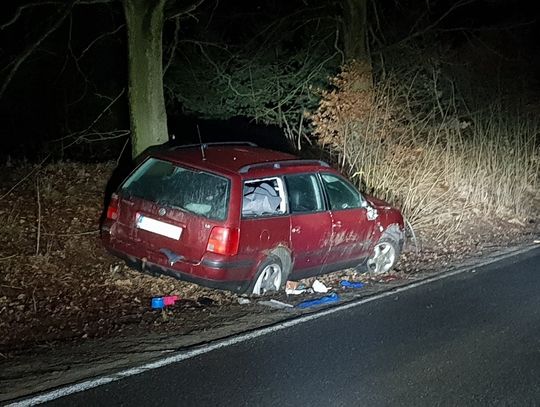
[(89, 134), (77, 66), (450, 10), (212, 14), (172, 49), (94, 41), (63, 14), (186, 11), (20, 9), (92, 2), (36, 168), (86, 131)]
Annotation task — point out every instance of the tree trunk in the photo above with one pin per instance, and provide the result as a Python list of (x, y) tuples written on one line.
[(144, 20), (354, 29)]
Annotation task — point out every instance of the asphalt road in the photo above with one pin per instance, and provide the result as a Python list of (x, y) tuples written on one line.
[(470, 339)]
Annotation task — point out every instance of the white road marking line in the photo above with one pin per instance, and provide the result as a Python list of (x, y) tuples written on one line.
[(222, 343)]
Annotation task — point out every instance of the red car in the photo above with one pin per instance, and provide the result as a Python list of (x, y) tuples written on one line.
[(239, 217)]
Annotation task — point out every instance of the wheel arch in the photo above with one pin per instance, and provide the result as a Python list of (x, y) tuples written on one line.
[(284, 254), (395, 232)]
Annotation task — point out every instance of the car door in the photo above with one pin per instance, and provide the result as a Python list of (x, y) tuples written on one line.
[(351, 228), (310, 224), (265, 221)]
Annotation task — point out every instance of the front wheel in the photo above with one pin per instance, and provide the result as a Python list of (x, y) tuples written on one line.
[(383, 256), (269, 277)]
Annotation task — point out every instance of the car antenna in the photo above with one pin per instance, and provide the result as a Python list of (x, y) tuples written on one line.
[(201, 143)]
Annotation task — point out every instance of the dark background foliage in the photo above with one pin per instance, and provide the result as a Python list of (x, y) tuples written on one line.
[(247, 69)]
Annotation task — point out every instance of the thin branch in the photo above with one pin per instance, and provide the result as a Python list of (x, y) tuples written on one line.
[(7, 258), (77, 66), (431, 26), (38, 167), (20, 9), (38, 236), (91, 232), (95, 137), (92, 2), (93, 42), (122, 151), (99, 116), (18, 62), (188, 10), (212, 14), (377, 18), (174, 45), (337, 48)]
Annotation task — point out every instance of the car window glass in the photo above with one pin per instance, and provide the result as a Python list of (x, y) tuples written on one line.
[(341, 194), (263, 197), (304, 193), (166, 184)]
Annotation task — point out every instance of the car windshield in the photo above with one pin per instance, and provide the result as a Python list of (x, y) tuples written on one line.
[(170, 185)]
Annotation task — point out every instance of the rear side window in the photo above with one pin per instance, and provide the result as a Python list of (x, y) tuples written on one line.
[(263, 197), (166, 184)]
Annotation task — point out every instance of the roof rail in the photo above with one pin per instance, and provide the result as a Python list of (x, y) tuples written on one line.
[(223, 143), (281, 164)]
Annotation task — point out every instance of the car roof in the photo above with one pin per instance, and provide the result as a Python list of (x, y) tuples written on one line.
[(233, 158)]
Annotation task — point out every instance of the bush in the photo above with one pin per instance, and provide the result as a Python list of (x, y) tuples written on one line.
[(436, 163)]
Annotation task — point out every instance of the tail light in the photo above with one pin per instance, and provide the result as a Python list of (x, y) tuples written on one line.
[(223, 241), (112, 210)]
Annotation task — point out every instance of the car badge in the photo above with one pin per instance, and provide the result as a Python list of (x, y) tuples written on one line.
[(162, 211)]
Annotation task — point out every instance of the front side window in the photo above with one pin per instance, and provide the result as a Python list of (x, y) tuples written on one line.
[(166, 184), (341, 194), (304, 193)]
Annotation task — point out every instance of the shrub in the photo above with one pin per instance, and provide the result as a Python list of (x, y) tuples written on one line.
[(438, 165)]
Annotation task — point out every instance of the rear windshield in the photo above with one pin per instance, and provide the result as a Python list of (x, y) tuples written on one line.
[(170, 185)]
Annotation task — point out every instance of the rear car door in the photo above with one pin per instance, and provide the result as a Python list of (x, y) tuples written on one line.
[(310, 223), (265, 222), (351, 229)]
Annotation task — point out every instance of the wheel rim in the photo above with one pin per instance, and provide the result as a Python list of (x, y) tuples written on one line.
[(269, 280), (382, 259)]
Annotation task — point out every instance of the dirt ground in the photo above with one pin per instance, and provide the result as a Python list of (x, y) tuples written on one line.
[(60, 288)]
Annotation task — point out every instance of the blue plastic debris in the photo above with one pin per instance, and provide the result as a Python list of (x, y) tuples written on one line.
[(158, 303), (318, 301), (351, 284)]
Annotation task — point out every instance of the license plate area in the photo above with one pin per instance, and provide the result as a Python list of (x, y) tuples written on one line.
[(158, 227)]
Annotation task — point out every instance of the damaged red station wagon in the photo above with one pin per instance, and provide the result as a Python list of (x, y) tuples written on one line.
[(239, 217)]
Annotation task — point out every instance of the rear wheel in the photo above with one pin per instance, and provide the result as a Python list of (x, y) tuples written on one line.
[(270, 277), (383, 256)]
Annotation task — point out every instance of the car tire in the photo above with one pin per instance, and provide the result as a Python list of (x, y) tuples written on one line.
[(270, 277), (384, 256)]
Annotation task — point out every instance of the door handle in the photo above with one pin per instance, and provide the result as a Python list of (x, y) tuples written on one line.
[(296, 229), (337, 224)]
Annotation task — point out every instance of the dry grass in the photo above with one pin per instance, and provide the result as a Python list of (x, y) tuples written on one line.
[(437, 167)]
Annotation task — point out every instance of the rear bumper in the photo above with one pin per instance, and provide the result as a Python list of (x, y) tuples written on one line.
[(225, 272)]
